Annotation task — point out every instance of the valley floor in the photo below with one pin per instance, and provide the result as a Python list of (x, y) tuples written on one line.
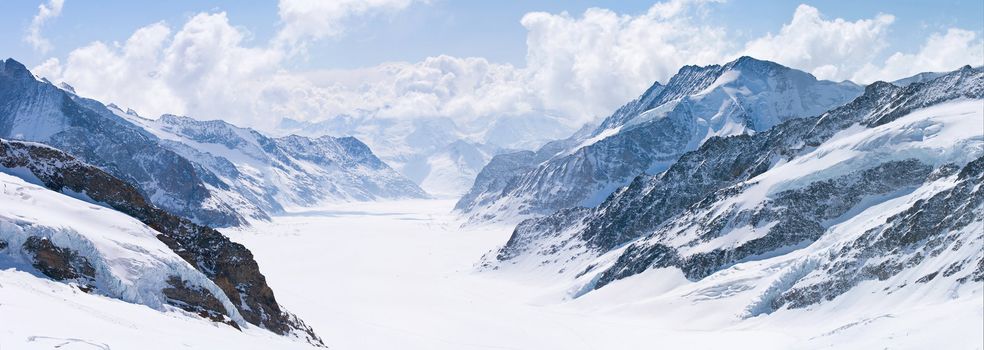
[(402, 275)]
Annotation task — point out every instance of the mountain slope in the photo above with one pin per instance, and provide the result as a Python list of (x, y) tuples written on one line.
[(33, 110), (228, 265), (273, 173), (886, 188), (101, 250), (647, 135)]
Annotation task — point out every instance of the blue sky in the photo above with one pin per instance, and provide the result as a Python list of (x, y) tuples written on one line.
[(489, 29), (254, 62)]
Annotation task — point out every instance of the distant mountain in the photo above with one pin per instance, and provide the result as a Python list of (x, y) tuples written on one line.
[(884, 191), (273, 173), (34, 110), (210, 171), (649, 134), (88, 228), (441, 155)]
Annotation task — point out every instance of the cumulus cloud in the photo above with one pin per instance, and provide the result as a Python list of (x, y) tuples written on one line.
[(585, 67), (201, 69), (304, 20), (46, 12), (830, 49), (205, 70), (941, 52), (580, 67)]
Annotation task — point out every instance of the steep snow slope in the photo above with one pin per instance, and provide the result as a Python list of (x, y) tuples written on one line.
[(229, 265), (100, 249), (34, 110), (647, 135), (441, 155), (273, 173), (42, 314), (885, 190)]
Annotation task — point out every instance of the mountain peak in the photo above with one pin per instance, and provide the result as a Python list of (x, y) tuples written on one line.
[(11, 67), (748, 63), (64, 86)]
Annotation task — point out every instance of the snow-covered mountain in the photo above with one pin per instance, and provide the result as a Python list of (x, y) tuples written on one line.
[(72, 222), (267, 174), (441, 155), (34, 110), (647, 135), (210, 171), (884, 195)]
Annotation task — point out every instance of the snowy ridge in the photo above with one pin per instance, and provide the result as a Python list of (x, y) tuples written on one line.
[(263, 175), (229, 265), (885, 190), (129, 262), (647, 135), (209, 171), (38, 111)]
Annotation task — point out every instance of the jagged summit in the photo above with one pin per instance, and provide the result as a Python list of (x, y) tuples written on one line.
[(744, 96), (885, 191)]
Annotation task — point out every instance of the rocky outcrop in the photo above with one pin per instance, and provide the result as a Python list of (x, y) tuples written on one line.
[(61, 264), (944, 222), (791, 219), (196, 300), (228, 264)]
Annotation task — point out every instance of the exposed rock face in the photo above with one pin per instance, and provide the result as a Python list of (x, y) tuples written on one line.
[(791, 219), (34, 110), (60, 264), (744, 198), (649, 134), (196, 300), (230, 265), (924, 231)]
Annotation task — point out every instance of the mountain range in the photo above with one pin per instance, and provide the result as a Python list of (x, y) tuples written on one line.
[(885, 189), (212, 172), (648, 135), (748, 189)]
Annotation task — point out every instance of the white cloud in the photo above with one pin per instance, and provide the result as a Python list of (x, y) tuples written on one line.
[(304, 20), (940, 53), (830, 49), (45, 12), (202, 69), (579, 67), (586, 67), (205, 70)]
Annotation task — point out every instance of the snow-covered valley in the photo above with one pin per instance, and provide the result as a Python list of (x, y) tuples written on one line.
[(403, 275), (739, 205)]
